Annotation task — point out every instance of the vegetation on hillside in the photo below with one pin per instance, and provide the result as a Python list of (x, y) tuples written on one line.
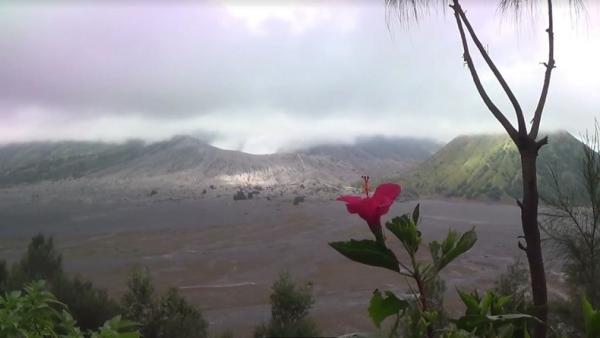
[(487, 167)]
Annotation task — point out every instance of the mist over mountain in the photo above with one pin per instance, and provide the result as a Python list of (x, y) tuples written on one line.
[(379, 156)]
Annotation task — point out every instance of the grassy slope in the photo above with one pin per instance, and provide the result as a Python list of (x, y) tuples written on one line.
[(488, 167)]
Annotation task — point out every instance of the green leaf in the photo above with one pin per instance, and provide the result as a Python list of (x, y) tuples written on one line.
[(485, 304), (512, 316), (451, 247), (380, 308), (470, 301), (500, 303), (367, 252), (591, 319), (405, 229)]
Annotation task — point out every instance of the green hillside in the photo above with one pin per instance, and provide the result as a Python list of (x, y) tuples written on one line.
[(488, 167)]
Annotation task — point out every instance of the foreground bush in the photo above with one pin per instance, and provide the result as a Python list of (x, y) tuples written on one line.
[(36, 313), (88, 305)]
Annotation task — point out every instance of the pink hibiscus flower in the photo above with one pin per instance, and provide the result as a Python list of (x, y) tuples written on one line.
[(371, 208)]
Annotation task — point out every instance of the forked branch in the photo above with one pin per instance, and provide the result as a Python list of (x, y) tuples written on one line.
[(512, 132), (550, 65), (494, 69)]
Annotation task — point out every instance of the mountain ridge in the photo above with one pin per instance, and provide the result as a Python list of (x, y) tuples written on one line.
[(187, 166), (487, 166), (482, 166)]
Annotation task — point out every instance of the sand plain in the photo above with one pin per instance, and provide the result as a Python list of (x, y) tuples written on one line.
[(225, 254)]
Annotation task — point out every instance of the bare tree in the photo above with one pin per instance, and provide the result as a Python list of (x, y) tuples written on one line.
[(526, 141)]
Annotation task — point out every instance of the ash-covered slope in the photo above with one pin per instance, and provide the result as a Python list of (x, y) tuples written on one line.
[(184, 156), (378, 156), (187, 164)]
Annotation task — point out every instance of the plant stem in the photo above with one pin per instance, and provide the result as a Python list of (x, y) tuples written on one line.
[(394, 331), (422, 291)]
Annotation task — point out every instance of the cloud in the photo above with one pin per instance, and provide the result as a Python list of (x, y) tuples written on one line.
[(299, 18), (264, 77)]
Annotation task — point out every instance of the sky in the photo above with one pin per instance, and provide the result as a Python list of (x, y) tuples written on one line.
[(266, 76)]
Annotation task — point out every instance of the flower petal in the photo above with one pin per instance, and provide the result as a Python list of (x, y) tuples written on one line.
[(372, 208), (349, 198), (387, 191), (354, 204)]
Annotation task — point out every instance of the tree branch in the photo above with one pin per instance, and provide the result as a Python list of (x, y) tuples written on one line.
[(521, 246), (542, 142), (494, 69), (550, 65), (486, 99)]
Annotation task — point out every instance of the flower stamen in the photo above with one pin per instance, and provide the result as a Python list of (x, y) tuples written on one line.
[(366, 185)]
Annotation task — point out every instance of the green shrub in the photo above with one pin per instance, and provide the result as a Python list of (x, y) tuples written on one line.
[(41, 261), (170, 317), (89, 306), (138, 301), (290, 306), (176, 318)]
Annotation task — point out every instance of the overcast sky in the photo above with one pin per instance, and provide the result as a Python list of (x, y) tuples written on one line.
[(261, 77)]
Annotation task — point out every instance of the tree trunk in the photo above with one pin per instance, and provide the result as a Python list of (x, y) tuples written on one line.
[(528, 148)]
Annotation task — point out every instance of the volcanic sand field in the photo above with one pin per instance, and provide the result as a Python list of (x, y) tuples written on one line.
[(224, 255)]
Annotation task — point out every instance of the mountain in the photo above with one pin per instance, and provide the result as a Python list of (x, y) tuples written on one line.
[(34, 162), (380, 156), (185, 166), (488, 167)]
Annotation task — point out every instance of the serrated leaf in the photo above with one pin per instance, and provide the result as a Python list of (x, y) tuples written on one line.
[(367, 252), (381, 308), (452, 247)]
